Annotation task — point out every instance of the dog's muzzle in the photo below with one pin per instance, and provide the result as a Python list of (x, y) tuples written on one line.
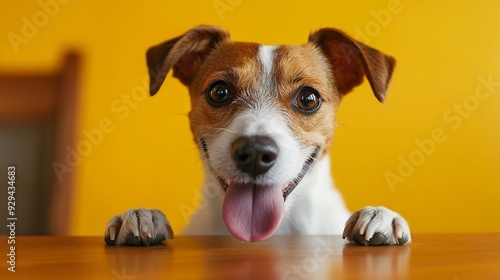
[(253, 211)]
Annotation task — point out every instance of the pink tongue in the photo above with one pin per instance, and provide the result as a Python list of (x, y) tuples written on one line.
[(252, 213)]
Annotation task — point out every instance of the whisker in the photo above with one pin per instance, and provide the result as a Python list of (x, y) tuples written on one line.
[(338, 124), (197, 167), (195, 148), (174, 113), (225, 129)]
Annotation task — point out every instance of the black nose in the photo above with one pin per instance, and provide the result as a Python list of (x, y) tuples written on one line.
[(254, 155)]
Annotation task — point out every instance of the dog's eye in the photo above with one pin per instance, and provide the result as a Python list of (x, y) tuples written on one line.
[(219, 94), (307, 100)]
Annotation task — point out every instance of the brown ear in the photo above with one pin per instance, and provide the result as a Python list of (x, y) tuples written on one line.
[(184, 54), (351, 60)]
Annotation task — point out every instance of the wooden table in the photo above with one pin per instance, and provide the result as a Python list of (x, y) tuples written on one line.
[(430, 256)]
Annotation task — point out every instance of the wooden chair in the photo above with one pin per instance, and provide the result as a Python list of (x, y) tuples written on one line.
[(38, 121)]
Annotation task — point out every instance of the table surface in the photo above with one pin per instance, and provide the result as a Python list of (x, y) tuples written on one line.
[(430, 256)]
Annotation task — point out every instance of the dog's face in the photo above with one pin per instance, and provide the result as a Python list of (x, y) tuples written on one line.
[(262, 114)]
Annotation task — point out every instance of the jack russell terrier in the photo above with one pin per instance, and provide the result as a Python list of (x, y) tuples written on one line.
[(263, 119)]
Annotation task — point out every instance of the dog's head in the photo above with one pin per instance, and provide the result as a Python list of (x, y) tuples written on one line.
[(262, 115)]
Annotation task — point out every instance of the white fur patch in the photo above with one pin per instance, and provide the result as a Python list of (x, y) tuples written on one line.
[(266, 57), (266, 81)]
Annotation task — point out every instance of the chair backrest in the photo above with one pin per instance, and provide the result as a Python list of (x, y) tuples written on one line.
[(38, 122)]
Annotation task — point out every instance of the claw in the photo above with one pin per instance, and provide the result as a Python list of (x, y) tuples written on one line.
[(360, 239), (146, 242), (109, 241), (398, 229), (112, 233), (170, 232), (403, 240)]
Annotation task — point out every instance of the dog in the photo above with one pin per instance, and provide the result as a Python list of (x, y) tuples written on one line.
[(263, 120)]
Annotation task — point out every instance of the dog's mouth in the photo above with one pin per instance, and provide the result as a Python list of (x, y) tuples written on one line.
[(252, 211), (288, 187)]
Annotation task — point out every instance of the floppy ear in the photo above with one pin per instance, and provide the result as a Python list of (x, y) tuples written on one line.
[(351, 60), (184, 54)]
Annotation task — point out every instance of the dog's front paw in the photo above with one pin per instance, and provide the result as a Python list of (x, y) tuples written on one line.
[(377, 226), (142, 227)]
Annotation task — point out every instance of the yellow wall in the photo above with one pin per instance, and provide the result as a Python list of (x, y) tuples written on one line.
[(444, 49)]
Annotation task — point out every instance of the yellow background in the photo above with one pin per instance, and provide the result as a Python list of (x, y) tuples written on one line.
[(442, 49)]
